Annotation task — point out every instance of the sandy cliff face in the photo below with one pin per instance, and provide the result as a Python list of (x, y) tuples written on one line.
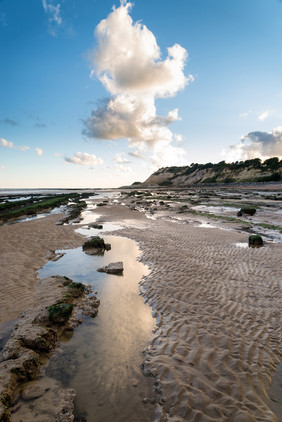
[(177, 176)]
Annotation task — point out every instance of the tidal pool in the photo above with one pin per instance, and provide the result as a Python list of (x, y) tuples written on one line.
[(101, 360)]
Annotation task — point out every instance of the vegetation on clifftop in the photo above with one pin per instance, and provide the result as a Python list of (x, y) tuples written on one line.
[(254, 170)]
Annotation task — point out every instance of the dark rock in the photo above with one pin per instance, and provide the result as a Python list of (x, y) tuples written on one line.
[(60, 313), (255, 240), (96, 226), (247, 211)]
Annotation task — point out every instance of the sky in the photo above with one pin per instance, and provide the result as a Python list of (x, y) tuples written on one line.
[(101, 93)]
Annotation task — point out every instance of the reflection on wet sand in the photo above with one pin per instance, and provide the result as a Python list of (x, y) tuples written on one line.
[(101, 361)]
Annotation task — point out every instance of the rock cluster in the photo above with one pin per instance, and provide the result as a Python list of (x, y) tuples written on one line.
[(37, 331)]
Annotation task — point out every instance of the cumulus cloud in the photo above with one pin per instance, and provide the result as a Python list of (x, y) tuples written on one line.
[(166, 155), (39, 151), (121, 158), (257, 145), (9, 144), (128, 63), (265, 114), (128, 58), (84, 159)]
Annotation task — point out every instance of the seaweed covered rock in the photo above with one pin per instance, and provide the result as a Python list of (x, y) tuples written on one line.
[(255, 240), (60, 313), (247, 211), (95, 245)]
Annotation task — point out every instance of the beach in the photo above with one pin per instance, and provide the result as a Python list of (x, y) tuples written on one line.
[(215, 347)]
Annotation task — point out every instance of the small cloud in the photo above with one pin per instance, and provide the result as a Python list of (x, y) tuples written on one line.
[(6, 144), (246, 114), (9, 121), (24, 148), (39, 151), (57, 154), (3, 167), (84, 159), (265, 114), (121, 158), (9, 144)]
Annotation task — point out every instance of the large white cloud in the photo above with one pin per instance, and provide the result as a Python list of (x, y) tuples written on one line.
[(128, 58), (257, 145), (128, 62), (84, 159)]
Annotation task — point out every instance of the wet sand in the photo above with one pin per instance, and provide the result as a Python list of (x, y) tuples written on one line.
[(23, 248), (217, 306)]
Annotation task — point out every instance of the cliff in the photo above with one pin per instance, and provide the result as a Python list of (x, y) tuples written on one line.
[(239, 172)]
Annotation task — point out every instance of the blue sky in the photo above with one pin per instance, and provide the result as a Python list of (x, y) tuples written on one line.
[(104, 109)]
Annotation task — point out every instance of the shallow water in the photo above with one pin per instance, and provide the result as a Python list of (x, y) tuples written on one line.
[(105, 353)]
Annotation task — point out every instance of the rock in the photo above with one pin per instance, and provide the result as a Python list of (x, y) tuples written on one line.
[(31, 393), (95, 226), (113, 268), (95, 246), (255, 240), (248, 211), (65, 407)]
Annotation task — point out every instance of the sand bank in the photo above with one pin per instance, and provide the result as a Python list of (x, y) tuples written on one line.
[(216, 345), (217, 305), (23, 248)]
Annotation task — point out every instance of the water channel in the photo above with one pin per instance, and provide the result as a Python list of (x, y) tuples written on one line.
[(101, 359)]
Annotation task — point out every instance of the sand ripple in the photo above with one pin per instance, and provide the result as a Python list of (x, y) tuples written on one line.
[(216, 344), (22, 250)]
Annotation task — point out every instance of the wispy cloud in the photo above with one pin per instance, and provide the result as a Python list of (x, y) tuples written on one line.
[(257, 145), (128, 63), (3, 20), (121, 158), (40, 125), (3, 167), (9, 121), (84, 159), (246, 114), (9, 144), (265, 114), (137, 154), (39, 151), (121, 168), (54, 13)]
